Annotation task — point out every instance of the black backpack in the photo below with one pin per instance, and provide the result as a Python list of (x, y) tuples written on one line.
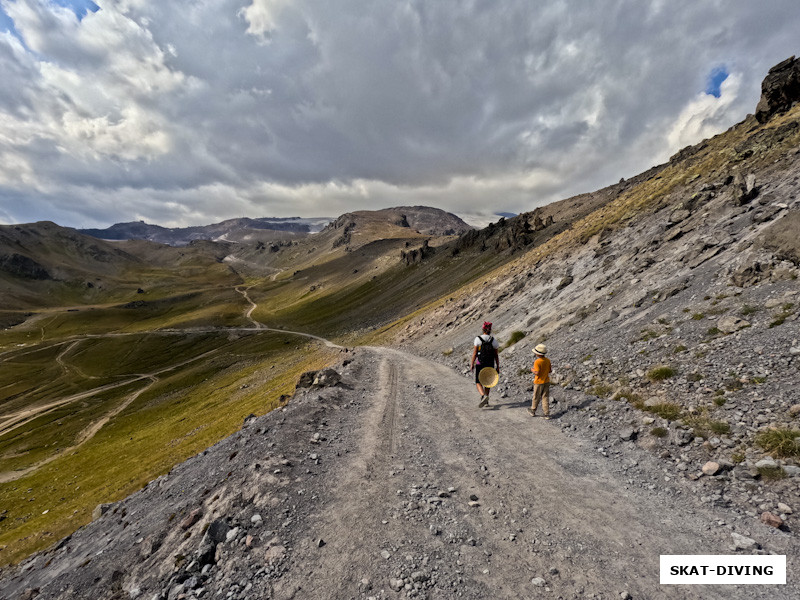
[(486, 352)]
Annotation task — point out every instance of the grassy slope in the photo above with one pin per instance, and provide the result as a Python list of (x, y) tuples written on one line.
[(173, 419)]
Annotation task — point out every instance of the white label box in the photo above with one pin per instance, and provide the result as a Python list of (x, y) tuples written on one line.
[(735, 569)]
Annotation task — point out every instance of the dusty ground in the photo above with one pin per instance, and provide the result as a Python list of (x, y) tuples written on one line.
[(394, 484)]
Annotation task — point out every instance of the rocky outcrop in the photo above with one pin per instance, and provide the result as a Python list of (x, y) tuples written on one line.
[(780, 89), (23, 266), (417, 255)]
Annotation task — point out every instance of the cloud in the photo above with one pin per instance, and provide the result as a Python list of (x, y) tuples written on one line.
[(705, 116), (185, 112)]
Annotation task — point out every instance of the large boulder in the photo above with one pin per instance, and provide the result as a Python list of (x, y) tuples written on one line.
[(779, 90)]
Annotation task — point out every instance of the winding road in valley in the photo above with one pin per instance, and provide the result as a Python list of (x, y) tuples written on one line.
[(11, 421)]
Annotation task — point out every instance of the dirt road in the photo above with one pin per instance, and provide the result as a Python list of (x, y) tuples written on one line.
[(544, 508), (394, 484)]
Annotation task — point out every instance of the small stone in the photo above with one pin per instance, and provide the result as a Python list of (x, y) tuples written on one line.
[(772, 520), (741, 542), (766, 463), (625, 596), (192, 518), (256, 519), (231, 535), (711, 468), (320, 543), (474, 504), (538, 582), (627, 434), (792, 470), (794, 410), (396, 584), (418, 576), (386, 554), (100, 510), (784, 508)]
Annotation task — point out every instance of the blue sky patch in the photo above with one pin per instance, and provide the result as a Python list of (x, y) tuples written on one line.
[(715, 79), (6, 24), (79, 7)]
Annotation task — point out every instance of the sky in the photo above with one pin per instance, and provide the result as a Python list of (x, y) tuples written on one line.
[(188, 113)]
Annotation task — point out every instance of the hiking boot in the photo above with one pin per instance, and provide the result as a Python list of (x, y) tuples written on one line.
[(484, 401), (547, 417), (531, 412)]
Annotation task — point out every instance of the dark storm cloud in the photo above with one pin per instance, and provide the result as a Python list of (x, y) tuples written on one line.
[(185, 113)]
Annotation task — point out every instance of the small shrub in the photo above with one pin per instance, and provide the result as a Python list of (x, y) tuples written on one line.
[(771, 473), (602, 390), (747, 309), (779, 321), (648, 334), (738, 458), (719, 401), (713, 331), (665, 410), (698, 316), (694, 377), (679, 349), (759, 380), (515, 337), (719, 427), (687, 309), (663, 321), (733, 385), (787, 307), (660, 373), (447, 352), (781, 443), (659, 432)]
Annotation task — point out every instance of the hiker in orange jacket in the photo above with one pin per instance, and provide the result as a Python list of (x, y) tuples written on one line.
[(541, 381), (485, 353)]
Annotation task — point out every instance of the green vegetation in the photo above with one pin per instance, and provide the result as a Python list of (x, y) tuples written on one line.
[(787, 310), (719, 401), (659, 432), (660, 373), (666, 410), (771, 473), (748, 309), (678, 349), (781, 443), (515, 337), (698, 316), (629, 396), (602, 390)]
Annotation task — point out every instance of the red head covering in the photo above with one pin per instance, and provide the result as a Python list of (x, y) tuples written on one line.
[(487, 326)]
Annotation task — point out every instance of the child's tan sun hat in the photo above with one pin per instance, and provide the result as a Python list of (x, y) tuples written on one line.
[(540, 349)]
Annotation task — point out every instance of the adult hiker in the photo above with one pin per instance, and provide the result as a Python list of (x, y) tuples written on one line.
[(484, 354), (541, 381)]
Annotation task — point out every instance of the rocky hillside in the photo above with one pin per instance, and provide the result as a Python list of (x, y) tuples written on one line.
[(671, 318)]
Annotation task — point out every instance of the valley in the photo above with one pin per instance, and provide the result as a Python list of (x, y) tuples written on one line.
[(299, 420)]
